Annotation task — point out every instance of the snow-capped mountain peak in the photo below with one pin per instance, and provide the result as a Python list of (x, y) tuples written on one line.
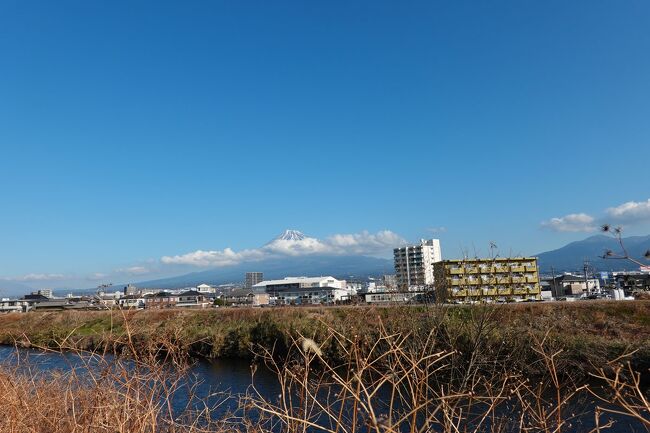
[(291, 235)]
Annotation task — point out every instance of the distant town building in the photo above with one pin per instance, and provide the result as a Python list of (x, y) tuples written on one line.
[(161, 300), (487, 280), (44, 292), (14, 305), (132, 302), (247, 297), (389, 282), (568, 285), (414, 264), (253, 278), (304, 290), (372, 287), (205, 288), (355, 287), (193, 299), (388, 297), (632, 282)]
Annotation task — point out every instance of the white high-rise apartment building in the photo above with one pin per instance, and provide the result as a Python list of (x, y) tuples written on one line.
[(414, 264)]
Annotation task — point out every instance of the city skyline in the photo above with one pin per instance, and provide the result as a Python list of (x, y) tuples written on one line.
[(287, 246), (160, 138)]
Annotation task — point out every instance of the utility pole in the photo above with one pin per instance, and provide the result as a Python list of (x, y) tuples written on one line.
[(585, 268), (554, 281)]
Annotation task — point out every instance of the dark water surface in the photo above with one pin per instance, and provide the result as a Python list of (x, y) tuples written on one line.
[(211, 381), (216, 383)]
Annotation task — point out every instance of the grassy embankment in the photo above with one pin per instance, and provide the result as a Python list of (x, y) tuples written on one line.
[(589, 333)]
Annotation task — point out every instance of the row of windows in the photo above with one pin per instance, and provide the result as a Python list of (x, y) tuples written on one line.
[(488, 277), (499, 266), (524, 287)]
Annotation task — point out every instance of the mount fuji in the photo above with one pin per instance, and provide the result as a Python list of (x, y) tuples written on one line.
[(291, 235), (343, 266)]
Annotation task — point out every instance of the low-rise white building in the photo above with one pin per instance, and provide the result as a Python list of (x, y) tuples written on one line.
[(355, 287), (205, 288), (132, 301), (389, 297), (304, 290), (14, 306)]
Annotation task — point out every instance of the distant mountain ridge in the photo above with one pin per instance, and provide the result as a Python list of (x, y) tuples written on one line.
[(571, 257), (9, 288), (344, 267)]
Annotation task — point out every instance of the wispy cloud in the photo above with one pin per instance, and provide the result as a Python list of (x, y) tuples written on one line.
[(97, 276), (575, 222), (339, 244), (437, 230), (133, 270), (39, 277)]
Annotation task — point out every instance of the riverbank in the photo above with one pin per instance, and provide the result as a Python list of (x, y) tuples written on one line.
[(588, 333)]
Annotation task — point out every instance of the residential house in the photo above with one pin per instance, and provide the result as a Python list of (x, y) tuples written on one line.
[(161, 300), (247, 297), (193, 299), (568, 285)]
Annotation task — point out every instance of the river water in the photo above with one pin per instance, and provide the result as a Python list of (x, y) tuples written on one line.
[(211, 380)]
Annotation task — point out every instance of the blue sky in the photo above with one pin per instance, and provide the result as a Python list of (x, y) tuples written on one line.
[(134, 131)]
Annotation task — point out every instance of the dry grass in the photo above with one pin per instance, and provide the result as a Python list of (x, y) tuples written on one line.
[(406, 384), (101, 392)]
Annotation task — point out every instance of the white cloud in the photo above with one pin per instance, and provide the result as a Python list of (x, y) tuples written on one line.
[(296, 247), (356, 243), (364, 242), (436, 230), (40, 277), (226, 257), (575, 222), (632, 211)]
